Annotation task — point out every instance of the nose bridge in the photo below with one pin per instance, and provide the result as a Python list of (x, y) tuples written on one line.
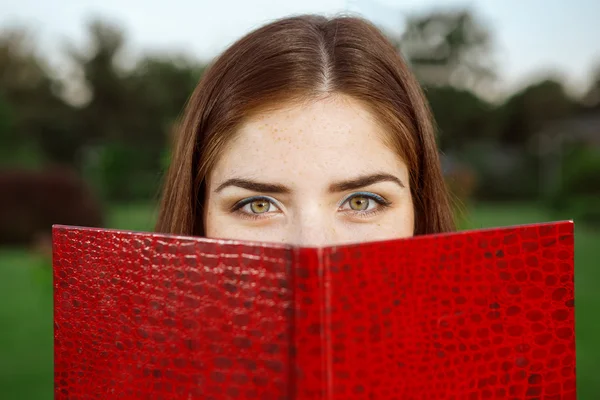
[(312, 227)]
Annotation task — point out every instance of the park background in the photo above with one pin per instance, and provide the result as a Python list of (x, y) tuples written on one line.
[(90, 93)]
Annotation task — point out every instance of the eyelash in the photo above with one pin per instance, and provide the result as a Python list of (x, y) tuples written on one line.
[(381, 202), (237, 207)]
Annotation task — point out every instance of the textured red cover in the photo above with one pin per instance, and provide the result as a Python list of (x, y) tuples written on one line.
[(468, 315)]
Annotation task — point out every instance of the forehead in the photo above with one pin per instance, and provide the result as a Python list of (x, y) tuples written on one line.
[(332, 138)]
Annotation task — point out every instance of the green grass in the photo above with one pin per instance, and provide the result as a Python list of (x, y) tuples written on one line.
[(136, 217), (26, 302), (26, 322)]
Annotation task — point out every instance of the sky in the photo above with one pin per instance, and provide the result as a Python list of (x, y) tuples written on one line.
[(533, 38)]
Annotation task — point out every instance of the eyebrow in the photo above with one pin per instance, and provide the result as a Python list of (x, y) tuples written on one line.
[(363, 181), (254, 186), (336, 187)]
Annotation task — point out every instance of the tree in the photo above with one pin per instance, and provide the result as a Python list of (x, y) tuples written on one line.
[(130, 112), (39, 117), (104, 115), (592, 98), (163, 86), (461, 116), (448, 48), (527, 111)]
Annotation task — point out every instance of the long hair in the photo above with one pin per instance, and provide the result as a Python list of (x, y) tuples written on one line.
[(300, 58)]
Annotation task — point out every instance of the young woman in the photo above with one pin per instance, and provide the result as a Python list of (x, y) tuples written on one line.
[(309, 131)]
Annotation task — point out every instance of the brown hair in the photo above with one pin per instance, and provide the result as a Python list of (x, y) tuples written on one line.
[(299, 58)]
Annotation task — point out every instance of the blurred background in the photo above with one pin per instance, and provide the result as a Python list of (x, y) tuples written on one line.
[(90, 91)]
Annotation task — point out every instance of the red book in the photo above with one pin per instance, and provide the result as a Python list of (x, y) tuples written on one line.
[(468, 315)]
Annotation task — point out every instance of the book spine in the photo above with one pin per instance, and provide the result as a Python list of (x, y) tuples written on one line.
[(310, 336)]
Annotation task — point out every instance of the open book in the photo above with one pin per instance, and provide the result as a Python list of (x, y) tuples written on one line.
[(468, 315)]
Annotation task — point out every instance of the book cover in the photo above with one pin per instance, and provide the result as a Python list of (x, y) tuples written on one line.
[(468, 315)]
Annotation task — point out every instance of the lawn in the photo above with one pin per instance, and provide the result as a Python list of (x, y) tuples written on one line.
[(26, 303)]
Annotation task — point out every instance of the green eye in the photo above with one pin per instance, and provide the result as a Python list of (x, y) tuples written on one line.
[(260, 206), (359, 203), (364, 204), (257, 207)]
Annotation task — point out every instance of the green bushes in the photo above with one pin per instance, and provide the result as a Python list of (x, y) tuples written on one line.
[(578, 197), (500, 174), (123, 173)]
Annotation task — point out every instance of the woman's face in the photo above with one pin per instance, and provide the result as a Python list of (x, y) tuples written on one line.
[(312, 174)]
